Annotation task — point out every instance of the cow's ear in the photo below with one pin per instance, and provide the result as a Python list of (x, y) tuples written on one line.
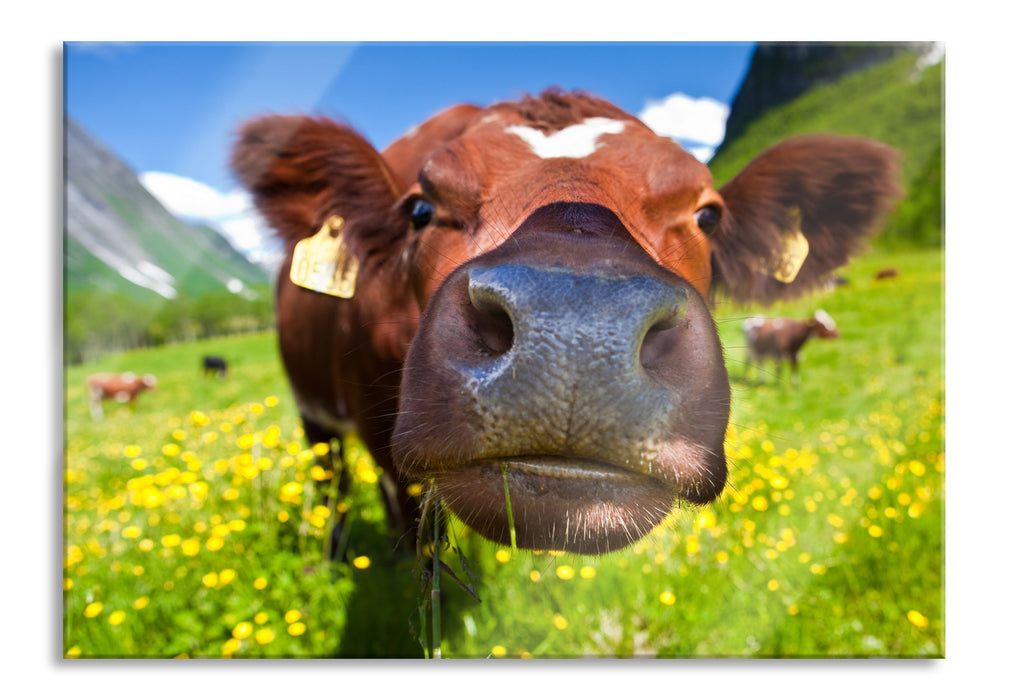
[(798, 211), (302, 170)]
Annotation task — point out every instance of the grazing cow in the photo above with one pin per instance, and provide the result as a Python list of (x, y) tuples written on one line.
[(123, 388), (781, 339), (886, 273), (215, 365), (517, 296)]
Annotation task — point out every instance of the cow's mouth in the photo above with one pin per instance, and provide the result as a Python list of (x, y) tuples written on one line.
[(556, 503)]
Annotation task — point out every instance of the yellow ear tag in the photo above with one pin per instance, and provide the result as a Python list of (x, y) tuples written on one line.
[(796, 249), (324, 263)]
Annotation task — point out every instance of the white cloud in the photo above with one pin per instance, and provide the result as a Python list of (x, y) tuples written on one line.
[(189, 199), (699, 122), (231, 213)]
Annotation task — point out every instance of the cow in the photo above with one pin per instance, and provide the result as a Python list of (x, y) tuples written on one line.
[(516, 297), (886, 273), (123, 388), (214, 365), (781, 339)]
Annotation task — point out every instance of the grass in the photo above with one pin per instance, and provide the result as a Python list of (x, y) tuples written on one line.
[(193, 525)]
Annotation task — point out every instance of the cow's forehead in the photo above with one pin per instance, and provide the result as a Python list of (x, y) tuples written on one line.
[(501, 147)]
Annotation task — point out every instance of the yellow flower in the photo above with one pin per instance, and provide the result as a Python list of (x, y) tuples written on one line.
[(93, 609), (296, 629), (414, 490), (587, 572), (242, 630), (773, 584), (210, 580), (292, 616), (759, 503), (170, 450), (876, 531), (503, 555), (534, 576), (230, 647), (498, 651), (214, 544), (559, 622), (261, 618), (141, 602), (835, 520), (722, 557), (917, 619), (667, 598), (226, 576), (73, 652), (362, 562), (117, 617), (565, 572), (270, 401), (265, 635), (171, 541), (132, 532), (259, 584)]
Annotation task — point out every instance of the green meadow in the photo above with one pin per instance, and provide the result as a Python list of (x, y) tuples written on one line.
[(194, 523)]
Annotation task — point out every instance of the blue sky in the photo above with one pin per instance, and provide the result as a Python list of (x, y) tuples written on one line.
[(170, 110)]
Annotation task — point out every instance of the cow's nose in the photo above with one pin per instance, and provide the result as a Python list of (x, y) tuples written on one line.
[(574, 320), (595, 343)]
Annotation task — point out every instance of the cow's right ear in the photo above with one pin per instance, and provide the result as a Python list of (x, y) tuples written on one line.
[(302, 170), (799, 211)]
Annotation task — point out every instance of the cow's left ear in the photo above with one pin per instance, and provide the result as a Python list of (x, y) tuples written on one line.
[(798, 211)]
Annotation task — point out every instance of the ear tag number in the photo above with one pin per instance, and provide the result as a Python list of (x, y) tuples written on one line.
[(324, 263)]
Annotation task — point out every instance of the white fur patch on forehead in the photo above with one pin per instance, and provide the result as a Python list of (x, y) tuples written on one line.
[(825, 319), (575, 141)]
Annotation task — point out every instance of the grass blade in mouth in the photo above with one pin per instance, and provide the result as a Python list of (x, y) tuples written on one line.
[(508, 504)]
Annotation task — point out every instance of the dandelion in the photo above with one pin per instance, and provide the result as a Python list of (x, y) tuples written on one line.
[(171, 541), (916, 509), (362, 562), (917, 619), (667, 598), (170, 450), (214, 544), (243, 630), (73, 652), (230, 647), (141, 602), (117, 617), (534, 576), (759, 503), (132, 532), (875, 531), (498, 651), (93, 609), (261, 618), (415, 490), (210, 580), (560, 622), (565, 572), (587, 572), (773, 584), (259, 584), (226, 576), (722, 557), (271, 401), (296, 629), (292, 616), (503, 555)]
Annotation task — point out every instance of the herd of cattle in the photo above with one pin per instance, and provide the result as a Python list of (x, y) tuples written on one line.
[(514, 300)]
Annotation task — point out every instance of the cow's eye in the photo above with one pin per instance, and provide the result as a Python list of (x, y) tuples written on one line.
[(421, 214), (707, 219)]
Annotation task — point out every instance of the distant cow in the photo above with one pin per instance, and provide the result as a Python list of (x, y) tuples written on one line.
[(886, 273), (123, 388), (521, 292), (215, 365), (781, 339)]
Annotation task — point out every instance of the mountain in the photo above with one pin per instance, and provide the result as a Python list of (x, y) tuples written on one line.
[(119, 238), (892, 93)]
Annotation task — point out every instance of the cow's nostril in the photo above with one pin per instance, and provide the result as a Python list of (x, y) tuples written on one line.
[(660, 338), (491, 323)]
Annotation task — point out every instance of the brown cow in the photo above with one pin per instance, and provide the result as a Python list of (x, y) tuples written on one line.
[(524, 288), (123, 388), (781, 339)]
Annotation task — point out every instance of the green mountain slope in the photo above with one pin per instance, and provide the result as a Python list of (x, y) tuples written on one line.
[(895, 102)]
